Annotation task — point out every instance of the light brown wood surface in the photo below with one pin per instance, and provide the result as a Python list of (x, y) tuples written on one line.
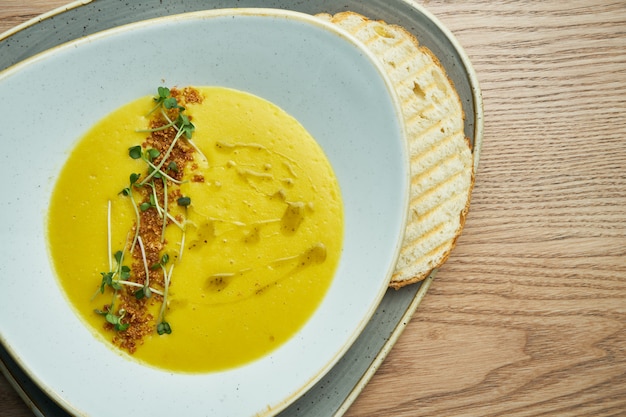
[(528, 316)]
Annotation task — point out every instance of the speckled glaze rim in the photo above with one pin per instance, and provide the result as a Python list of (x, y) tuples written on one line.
[(405, 301)]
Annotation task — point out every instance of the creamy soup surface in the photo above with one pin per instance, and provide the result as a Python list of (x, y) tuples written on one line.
[(240, 229)]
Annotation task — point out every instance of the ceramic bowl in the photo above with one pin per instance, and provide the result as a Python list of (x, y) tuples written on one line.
[(319, 75)]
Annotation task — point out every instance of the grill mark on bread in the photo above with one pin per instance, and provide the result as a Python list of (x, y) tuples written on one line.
[(436, 171), (439, 149), (428, 228), (430, 138), (426, 198), (430, 244), (439, 251)]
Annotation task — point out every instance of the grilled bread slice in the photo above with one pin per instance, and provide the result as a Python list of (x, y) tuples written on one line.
[(441, 161)]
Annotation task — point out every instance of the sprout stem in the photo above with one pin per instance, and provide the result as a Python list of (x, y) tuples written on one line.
[(138, 219), (168, 277), (182, 245), (164, 209), (109, 235), (167, 154), (136, 284), (154, 167), (145, 263)]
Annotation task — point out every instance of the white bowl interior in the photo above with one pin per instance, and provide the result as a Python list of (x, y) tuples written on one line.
[(319, 75)]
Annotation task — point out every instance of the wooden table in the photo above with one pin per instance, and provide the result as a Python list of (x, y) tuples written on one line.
[(528, 316)]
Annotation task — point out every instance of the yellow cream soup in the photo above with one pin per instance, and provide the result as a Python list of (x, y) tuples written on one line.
[(262, 238)]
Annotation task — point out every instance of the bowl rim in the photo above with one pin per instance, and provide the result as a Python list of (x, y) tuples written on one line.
[(248, 11)]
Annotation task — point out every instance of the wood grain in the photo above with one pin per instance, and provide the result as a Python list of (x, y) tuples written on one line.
[(15, 12), (528, 316)]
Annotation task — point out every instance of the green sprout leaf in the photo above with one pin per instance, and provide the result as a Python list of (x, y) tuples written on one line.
[(114, 319), (184, 201), (184, 124), (171, 103), (163, 93), (135, 152), (122, 326), (125, 272), (164, 328), (134, 178), (164, 260), (133, 182), (152, 154), (118, 256), (143, 292), (140, 293), (108, 281), (164, 98)]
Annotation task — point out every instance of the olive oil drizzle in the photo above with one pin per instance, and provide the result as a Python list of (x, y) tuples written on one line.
[(290, 264)]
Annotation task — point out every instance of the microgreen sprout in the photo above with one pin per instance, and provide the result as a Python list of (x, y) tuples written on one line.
[(146, 206), (153, 202), (108, 280), (148, 157), (165, 210), (135, 152), (163, 174), (154, 172), (157, 169), (114, 319), (116, 279), (128, 191), (183, 202), (122, 272), (182, 123), (145, 291), (109, 234), (164, 327), (163, 99), (164, 260), (152, 154)]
